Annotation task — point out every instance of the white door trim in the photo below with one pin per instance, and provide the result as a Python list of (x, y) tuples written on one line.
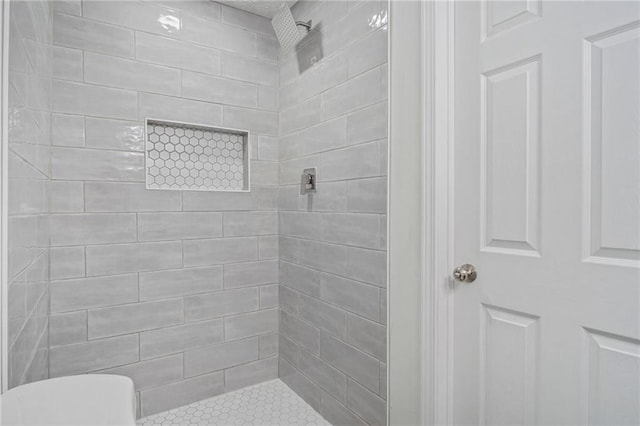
[(405, 219), (437, 302), (4, 149)]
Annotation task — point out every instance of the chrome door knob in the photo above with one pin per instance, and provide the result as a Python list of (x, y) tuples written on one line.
[(465, 273)]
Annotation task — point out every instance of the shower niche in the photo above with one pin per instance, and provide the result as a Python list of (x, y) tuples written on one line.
[(197, 157)]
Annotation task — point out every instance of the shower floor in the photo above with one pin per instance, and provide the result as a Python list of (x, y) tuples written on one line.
[(269, 403)]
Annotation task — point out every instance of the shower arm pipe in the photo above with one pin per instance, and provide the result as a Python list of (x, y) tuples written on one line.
[(307, 24)]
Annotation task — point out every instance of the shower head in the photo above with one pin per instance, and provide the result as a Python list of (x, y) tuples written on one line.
[(286, 29), (279, 11)]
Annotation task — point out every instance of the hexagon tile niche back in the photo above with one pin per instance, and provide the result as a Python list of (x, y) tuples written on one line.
[(182, 156)]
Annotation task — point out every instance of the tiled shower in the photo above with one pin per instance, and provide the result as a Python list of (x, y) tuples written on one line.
[(197, 293)]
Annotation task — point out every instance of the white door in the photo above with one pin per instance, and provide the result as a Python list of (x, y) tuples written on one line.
[(547, 208)]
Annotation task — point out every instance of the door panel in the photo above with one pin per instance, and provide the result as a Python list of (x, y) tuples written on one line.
[(508, 348), (611, 97), (547, 207), (612, 371), (510, 127)]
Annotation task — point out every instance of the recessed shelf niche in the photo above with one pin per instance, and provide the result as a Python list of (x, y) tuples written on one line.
[(197, 157)]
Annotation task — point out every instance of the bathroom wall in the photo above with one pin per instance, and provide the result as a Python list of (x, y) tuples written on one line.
[(30, 68), (332, 244), (180, 289), (176, 289)]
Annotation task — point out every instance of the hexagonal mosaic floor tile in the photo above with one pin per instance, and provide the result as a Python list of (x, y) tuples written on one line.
[(270, 403)]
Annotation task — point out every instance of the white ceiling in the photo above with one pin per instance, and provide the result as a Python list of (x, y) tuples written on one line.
[(266, 8)]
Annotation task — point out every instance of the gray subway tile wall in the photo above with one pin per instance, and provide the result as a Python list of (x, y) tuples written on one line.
[(190, 293), (152, 373), (182, 392), (247, 374), (180, 338), (30, 69), (179, 282), (219, 304), (170, 288), (333, 242), (68, 328)]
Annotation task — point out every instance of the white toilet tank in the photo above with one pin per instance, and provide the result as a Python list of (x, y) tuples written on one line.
[(88, 399)]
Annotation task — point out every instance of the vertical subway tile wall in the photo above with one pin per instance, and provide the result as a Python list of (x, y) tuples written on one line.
[(178, 290), (30, 68), (333, 242)]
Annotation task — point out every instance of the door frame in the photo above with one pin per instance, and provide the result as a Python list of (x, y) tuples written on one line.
[(438, 218), (420, 207), (405, 198)]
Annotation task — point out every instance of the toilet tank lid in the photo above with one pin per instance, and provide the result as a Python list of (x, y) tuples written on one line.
[(87, 399)]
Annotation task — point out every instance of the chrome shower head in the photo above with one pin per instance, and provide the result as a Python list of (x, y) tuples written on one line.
[(286, 29)]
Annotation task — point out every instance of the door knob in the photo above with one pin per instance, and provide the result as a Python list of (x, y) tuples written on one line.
[(465, 273)]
